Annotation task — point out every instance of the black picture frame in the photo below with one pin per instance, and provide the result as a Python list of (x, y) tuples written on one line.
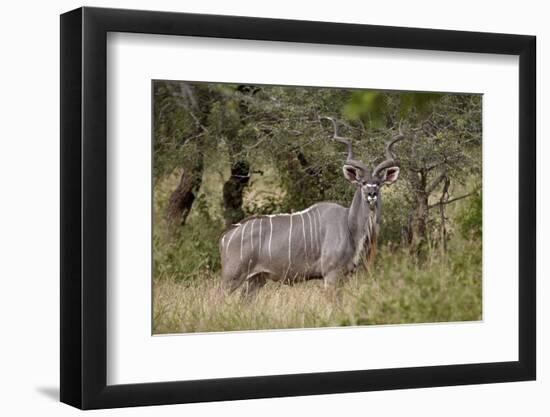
[(84, 207)]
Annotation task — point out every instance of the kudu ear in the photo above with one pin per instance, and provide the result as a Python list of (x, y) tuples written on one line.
[(390, 175), (353, 174)]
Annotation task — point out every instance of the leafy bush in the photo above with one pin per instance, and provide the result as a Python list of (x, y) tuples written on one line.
[(189, 252), (470, 217)]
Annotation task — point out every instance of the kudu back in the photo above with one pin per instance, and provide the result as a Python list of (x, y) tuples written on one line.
[(324, 241)]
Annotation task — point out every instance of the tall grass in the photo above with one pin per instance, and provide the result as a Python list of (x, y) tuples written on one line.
[(444, 287)]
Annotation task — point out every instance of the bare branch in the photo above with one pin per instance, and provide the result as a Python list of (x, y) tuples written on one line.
[(442, 201), (436, 182), (186, 99), (436, 164), (452, 200)]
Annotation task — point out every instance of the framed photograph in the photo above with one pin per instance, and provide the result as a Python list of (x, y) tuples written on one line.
[(257, 208)]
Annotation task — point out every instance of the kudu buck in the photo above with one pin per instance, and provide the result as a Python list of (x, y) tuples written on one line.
[(324, 241)]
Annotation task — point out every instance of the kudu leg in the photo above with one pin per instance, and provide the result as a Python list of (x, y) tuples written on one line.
[(331, 283), (252, 286), (231, 281)]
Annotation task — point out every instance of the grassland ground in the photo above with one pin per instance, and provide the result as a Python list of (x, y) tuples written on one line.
[(445, 287)]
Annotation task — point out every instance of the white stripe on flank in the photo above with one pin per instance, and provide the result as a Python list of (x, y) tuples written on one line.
[(231, 237), (291, 214), (260, 249), (310, 233), (304, 233), (289, 242), (252, 234), (223, 242), (303, 211), (242, 235), (319, 229), (270, 234), (315, 233), (319, 241), (322, 266)]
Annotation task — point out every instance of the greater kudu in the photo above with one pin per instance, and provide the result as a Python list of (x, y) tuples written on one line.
[(324, 241)]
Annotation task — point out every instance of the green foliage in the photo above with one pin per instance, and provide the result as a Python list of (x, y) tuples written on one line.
[(395, 215), (190, 252), (442, 288), (172, 124), (369, 104), (380, 108), (470, 217)]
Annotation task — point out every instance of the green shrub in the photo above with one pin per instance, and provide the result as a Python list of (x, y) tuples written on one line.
[(470, 217)]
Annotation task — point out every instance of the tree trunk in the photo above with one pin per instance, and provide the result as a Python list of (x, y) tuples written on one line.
[(443, 227), (233, 190), (419, 219), (234, 187), (182, 198), (197, 103), (419, 223)]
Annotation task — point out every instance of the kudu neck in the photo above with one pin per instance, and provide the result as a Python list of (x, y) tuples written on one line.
[(362, 219)]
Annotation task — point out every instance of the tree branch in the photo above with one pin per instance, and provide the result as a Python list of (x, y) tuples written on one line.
[(452, 200), (436, 182), (436, 164)]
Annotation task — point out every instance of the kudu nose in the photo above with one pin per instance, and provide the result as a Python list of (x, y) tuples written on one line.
[(371, 197)]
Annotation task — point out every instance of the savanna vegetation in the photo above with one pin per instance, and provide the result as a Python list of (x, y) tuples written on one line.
[(223, 152)]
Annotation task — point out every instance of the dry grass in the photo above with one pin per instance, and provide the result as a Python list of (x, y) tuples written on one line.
[(446, 287)]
